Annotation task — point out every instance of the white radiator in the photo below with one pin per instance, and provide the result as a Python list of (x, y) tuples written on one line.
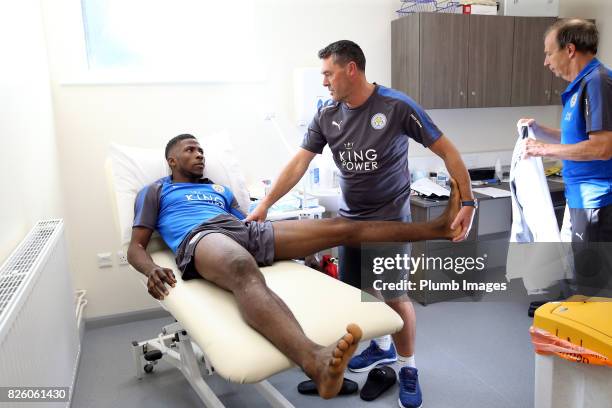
[(39, 341)]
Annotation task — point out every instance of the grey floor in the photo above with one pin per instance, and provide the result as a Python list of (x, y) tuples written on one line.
[(468, 354)]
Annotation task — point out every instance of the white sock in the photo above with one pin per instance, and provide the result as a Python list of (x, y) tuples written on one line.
[(383, 342), (406, 361)]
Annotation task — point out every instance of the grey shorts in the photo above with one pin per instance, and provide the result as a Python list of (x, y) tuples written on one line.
[(257, 238)]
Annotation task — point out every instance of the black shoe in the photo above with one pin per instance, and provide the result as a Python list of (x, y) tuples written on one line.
[(309, 388), (534, 305), (380, 379)]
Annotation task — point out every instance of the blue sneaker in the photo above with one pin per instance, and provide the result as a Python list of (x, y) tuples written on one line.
[(371, 357), (409, 389)]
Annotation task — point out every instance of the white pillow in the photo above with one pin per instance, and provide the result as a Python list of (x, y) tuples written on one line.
[(135, 167)]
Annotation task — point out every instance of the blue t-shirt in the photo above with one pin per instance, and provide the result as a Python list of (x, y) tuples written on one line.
[(174, 209), (370, 148), (587, 107)]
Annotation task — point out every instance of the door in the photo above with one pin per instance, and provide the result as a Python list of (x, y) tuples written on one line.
[(490, 61), (531, 80), (405, 56), (444, 45)]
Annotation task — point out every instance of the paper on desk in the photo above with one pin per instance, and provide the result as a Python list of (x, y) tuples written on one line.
[(427, 187), (492, 192)]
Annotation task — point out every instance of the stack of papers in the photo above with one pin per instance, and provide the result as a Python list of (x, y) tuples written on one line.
[(428, 188), (488, 7)]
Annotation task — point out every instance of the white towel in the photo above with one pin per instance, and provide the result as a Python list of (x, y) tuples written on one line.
[(536, 253)]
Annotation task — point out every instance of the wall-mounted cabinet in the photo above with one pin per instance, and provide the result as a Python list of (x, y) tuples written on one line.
[(471, 61)]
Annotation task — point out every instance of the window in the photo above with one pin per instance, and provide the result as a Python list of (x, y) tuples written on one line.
[(185, 40)]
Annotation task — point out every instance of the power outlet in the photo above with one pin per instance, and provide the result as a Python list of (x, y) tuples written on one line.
[(105, 260), (122, 258)]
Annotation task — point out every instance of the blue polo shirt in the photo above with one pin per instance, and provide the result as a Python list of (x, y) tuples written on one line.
[(587, 107), (174, 209)]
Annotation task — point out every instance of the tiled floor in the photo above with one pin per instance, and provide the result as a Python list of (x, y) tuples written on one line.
[(468, 354)]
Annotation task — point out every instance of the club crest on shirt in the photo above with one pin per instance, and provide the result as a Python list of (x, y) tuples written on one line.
[(219, 189), (573, 100), (378, 121)]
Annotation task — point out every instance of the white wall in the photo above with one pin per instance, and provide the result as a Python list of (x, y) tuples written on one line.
[(89, 116), (601, 11), (28, 155), (486, 129)]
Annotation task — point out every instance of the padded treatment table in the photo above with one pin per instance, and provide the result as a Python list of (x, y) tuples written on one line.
[(322, 305)]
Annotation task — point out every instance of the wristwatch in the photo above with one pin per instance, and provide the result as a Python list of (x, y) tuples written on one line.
[(470, 203)]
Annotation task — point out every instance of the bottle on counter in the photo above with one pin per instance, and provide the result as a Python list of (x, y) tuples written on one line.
[(314, 175), (442, 177), (498, 170), (267, 184)]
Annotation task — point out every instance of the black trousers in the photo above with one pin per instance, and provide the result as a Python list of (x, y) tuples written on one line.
[(592, 248), (355, 265)]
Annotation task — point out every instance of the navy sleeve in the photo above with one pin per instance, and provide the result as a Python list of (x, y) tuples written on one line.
[(314, 141), (419, 126), (598, 102), (415, 121), (146, 207)]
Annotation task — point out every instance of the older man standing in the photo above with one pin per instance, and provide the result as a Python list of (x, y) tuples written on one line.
[(584, 140), (367, 128)]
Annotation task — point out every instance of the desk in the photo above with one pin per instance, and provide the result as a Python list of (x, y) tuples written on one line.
[(488, 238)]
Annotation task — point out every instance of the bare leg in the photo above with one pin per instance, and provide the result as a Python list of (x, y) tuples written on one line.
[(404, 339), (294, 239), (224, 262)]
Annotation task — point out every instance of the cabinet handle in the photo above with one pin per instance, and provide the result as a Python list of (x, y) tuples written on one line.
[(460, 93), (547, 92), (556, 92), (473, 93)]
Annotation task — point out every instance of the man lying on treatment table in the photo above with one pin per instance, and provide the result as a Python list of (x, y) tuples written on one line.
[(203, 225)]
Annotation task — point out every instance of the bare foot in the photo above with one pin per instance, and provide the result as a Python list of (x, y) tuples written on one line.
[(448, 216), (331, 362)]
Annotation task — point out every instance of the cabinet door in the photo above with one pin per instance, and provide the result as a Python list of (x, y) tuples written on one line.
[(444, 44), (558, 87), (490, 60), (531, 80), (405, 56)]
